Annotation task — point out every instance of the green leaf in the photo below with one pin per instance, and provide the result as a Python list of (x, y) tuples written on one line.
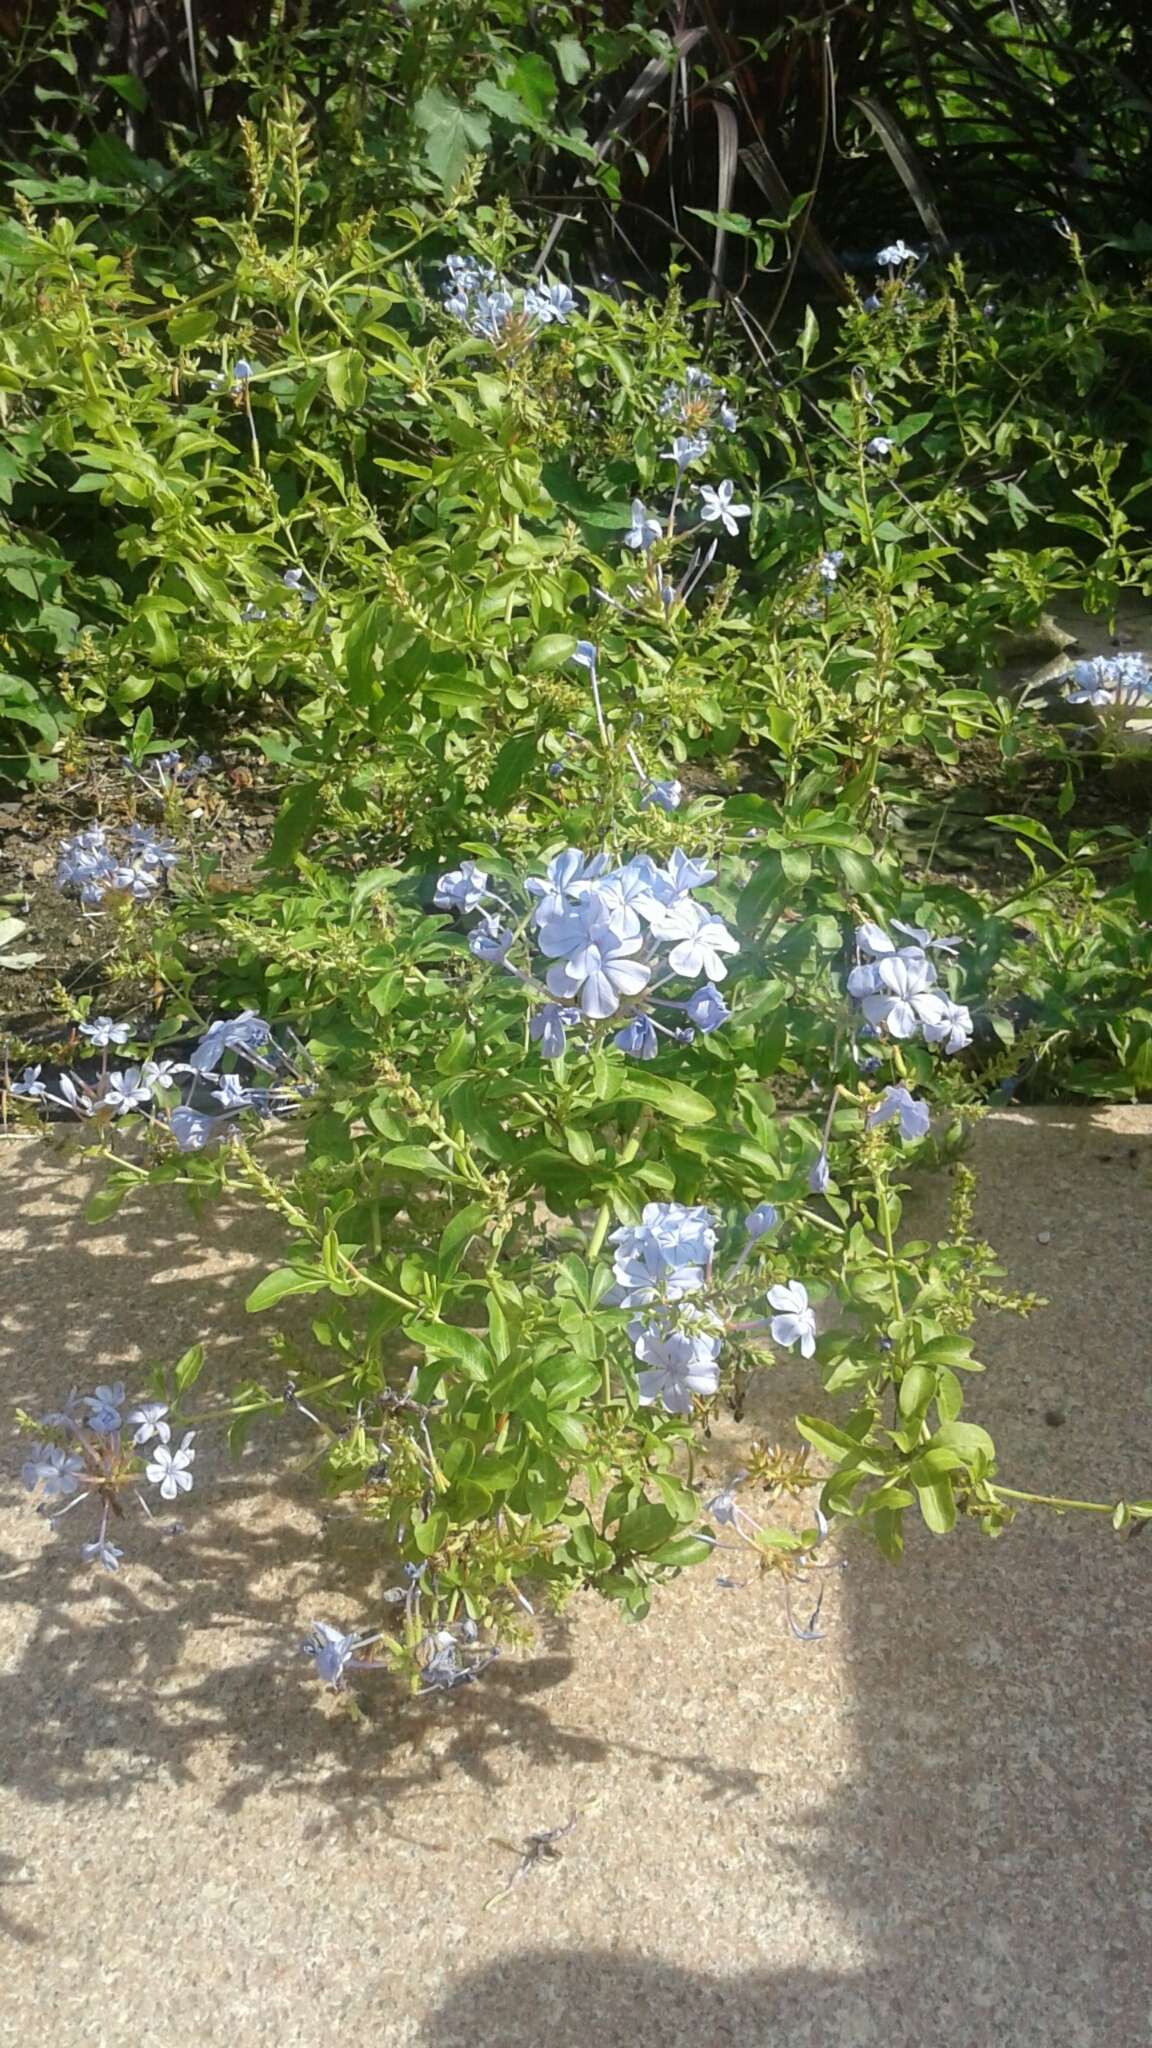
[(1027, 828), (645, 1528), (916, 1389), (447, 1341), (187, 1370), (347, 379), (683, 1104), (452, 134), (285, 1280), (683, 1550), (127, 88), (298, 817), (534, 81), (456, 1233), (551, 651), (938, 1505), (572, 58), (430, 1531), (509, 767), (418, 1159)]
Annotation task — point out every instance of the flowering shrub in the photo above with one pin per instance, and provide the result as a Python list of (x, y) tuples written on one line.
[(606, 1072)]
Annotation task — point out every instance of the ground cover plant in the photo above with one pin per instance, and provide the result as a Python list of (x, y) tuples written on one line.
[(688, 818)]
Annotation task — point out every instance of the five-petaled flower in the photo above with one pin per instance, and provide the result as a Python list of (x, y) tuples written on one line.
[(168, 1469), (644, 528), (679, 1364), (716, 504), (899, 1102), (103, 1407), (54, 1471), (794, 1322)]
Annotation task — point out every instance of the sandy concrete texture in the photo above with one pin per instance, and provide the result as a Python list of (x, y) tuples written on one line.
[(930, 1826)]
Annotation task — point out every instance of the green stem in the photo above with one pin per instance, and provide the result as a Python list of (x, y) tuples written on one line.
[(600, 1231), (1053, 1500)]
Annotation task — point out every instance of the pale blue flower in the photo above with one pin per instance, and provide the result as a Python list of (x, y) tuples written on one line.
[(760, 1220), (547, 1029), (293, 580), (101, 1031), (161, 1074), (686, 875), (103, 1406), (490, 941), (241, 372), (245, 1033), (232, 1093), (820, 1174), (644, 528), (707, 1009), (688, 448), (901, 982), (150, 851), (913, 1116), (332, 1652), (103, 1553), (829, 566), (54, 1471), (599, 972), (29, 1084), (894, 254), (943, 1022), (638, 1038), (125, 1091), (794, 1323), (168, 1469), (701, 939), (149, 1420), (679, 1365), (549, 302), (879, 446), (665, 1254), (195, 1129), (463, 888), (716, 504), (665, 796), (557, 892), (585, 653), (1119, 679)]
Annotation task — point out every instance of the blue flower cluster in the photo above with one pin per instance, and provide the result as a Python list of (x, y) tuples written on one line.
[(492, 308), (612, 936), (165, 772), (664, 1266), (165, 1090), (92, 866), (92, 1455), (1112, 681), (897, 988), (699, 405)]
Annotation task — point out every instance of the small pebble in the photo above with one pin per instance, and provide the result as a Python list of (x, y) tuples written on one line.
[(1044, 1237)]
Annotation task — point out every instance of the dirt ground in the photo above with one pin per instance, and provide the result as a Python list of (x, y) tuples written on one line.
[(930, 1825)]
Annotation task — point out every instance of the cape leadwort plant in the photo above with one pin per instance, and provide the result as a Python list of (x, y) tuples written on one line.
[(602, 941), (1115, 685), (193, 1101), (498, 311), (94, 867), (100, 1447)]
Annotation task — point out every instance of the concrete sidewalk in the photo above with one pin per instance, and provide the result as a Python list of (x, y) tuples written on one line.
[(933, 1825)]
